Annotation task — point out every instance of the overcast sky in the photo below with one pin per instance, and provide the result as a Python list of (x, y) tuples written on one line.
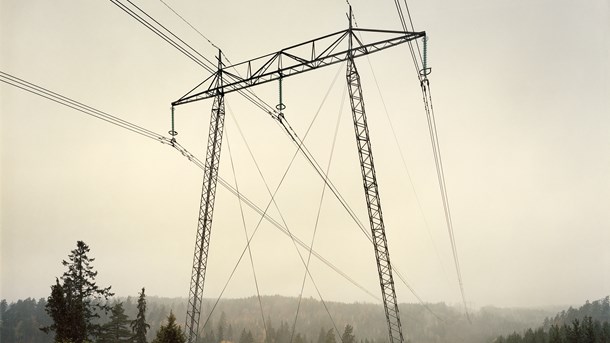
[(522, 99)]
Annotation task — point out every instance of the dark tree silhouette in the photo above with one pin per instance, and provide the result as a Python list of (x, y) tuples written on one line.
[(139, 325), (117, 329), (170, 333), (74, 303)]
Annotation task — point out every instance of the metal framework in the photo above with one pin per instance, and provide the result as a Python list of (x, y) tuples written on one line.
[(373, 203), (316, 53), (334, 48), (206, 211)]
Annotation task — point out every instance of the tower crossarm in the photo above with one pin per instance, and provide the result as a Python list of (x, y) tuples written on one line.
[(313, 54)]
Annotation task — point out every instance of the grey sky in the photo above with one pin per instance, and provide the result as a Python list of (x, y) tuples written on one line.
[(521, 94)]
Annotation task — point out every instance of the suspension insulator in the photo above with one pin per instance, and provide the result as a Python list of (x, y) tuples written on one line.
[(173, 132), (280, 107), (425, 71)]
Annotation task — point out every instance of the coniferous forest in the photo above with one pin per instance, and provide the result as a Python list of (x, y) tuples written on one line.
[(239, 321), (79, 310)]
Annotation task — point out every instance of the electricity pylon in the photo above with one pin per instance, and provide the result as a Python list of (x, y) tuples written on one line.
[(321, 52)]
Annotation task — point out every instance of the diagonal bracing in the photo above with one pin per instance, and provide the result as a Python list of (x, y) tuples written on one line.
[(320, 52)]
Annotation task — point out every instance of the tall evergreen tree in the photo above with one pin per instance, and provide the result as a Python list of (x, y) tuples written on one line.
[(348, 335), (74, 304), (139, 325), (246, 337), (117, 329), (170, 333), (330, 337), (222, 323)]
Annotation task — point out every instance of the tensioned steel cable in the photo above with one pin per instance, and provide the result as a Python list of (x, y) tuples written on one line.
[(60, 99), (404, 164), (313, 237), (78, 106), (164, 33), (265, 107), (190, 52), (306, 265), (426, 94), (68, 102), (258, 225), (189, 24), (275, 223), (243, 221), (443, 188), (342, 201)]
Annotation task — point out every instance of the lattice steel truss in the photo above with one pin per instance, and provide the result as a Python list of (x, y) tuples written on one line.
[(371, 192), (317, 53), (206, 211)]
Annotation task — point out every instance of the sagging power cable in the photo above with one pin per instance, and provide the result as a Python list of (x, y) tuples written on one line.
[(249, 95), (426, 94), (243, 221), (164, 33), (78, 106)]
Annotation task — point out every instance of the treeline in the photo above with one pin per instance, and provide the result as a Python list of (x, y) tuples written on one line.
[(588, 324), (20, 321), (79, 310)]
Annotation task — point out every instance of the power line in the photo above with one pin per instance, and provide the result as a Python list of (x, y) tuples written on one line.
[(71, 103), (186, 49), (313, 237), (306, 265), (404, 163), (166, 35), (427, 98), (78, 106), (443, 187), (292, 134), (243, 221), (189, 24)]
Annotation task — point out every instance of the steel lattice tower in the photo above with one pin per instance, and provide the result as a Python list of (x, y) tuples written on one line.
[(323, 51), (206, 211), (371, 192)]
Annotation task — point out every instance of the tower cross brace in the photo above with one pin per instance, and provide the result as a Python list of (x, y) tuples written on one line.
[(323, 51)]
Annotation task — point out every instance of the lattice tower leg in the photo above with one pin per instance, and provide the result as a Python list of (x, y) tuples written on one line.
[(204, 226), (373, 204)]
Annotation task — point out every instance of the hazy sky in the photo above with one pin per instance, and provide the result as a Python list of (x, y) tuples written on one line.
[(522, 98)]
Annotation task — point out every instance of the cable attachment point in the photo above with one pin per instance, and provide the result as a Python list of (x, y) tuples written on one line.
[(425, 71), (173, 132), (280, 107)]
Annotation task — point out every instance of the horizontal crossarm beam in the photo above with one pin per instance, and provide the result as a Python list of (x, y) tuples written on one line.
[(316, 53)]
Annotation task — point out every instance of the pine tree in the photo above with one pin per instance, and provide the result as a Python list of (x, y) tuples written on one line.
[(246, 337), (222, 323), (330, 337), (171, 333), (348, 335), (139, 325), (117, 329), (74, 304)]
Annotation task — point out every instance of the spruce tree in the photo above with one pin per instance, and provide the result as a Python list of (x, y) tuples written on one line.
[(171, 333), (330, 337), (139, 325), (74, 304), (117, 329), (348, 335), (246, 337)]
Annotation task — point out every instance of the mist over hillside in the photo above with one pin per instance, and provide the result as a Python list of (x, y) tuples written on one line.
[(428, 323)]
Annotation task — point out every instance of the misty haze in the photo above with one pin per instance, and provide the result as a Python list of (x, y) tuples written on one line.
[(311, 172)]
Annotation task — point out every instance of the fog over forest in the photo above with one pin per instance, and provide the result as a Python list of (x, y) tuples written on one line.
[(433, 323), (514, 248)]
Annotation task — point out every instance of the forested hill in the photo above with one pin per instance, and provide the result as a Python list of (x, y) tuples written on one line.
[(589, 323), (433, 323)]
